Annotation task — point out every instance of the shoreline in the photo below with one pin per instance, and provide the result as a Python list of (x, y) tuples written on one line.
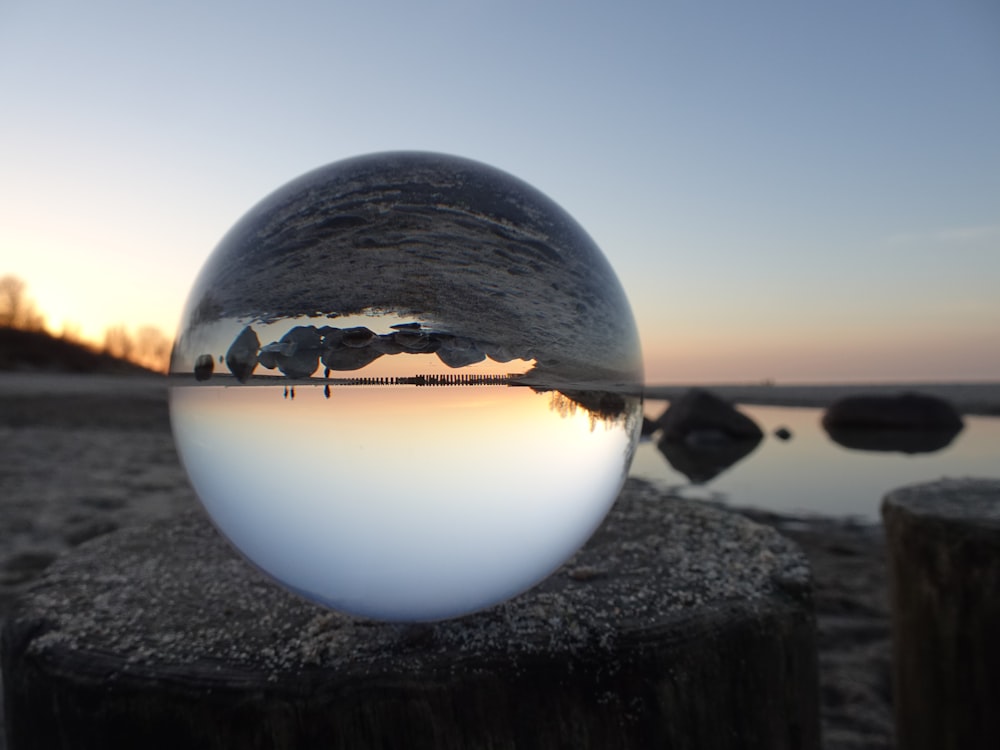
[(971, 398)]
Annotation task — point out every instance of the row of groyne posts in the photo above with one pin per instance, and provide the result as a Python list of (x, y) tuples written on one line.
[(601, 668), (437, 379)]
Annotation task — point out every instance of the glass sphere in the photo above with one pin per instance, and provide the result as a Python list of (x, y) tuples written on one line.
[(407, 386)]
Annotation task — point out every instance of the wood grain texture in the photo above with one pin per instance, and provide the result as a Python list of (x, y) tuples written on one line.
[(943, 542)]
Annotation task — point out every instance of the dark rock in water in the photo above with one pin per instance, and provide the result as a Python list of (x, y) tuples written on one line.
[(699, 411), (387, 344), (300, 356), (357, 337), (897, 441), (905, 411), (706, 454), (302, 365), (457, 351), (414, 340), (303, 337), (907, 423), (330, 336), (352, 348), (204, 366), (498, 352), (241, 359), (268, 355), (350, 358), (783, 433), (648, 427)]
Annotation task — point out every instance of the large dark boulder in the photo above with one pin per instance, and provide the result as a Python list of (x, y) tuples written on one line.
[(701, 416), (904, 411), (905, 423)]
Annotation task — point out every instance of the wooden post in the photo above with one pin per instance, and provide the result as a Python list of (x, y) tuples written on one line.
[(678, 626), (943, 541)]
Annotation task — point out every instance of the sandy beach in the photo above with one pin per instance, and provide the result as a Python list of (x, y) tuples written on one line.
[(85, 455)]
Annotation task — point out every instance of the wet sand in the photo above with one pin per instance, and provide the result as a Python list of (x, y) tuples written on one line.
[(85, 455)]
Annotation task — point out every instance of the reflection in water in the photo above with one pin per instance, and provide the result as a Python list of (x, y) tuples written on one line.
[(814, 474), (898, 441), (401, 502), (702, 461)]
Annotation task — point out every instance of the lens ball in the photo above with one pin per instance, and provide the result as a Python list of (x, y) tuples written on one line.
[(407, 386)]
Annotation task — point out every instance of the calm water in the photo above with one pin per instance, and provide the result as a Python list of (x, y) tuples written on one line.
[(812, 474)]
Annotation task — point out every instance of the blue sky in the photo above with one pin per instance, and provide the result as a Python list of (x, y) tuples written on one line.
[(789, 190)]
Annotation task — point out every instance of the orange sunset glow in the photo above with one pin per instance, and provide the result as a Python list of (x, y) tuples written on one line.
[(818, 203)]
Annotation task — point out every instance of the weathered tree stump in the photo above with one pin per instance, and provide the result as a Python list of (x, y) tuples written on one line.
[(678, 626), (943, 541)]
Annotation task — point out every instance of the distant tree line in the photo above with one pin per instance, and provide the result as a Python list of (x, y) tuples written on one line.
[(17, 309), (147, 346)]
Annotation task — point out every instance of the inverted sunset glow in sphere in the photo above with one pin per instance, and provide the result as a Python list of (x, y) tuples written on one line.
[(406, 386)]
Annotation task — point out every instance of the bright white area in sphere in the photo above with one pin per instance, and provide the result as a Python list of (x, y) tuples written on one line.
[(400, 503)]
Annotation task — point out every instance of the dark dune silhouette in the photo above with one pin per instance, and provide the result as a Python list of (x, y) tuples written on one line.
[(38, 351)]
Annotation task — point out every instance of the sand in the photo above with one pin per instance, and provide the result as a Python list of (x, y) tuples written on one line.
[(85, 455)]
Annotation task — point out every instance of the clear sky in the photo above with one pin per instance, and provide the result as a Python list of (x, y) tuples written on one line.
[(802, 191)]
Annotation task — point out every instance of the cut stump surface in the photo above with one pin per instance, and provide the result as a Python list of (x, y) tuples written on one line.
[(679, 625)]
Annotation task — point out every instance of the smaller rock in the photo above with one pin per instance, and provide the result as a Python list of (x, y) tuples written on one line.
[(456, 351), (700, 411), (204, 366), (357, 337), (783, 433)]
